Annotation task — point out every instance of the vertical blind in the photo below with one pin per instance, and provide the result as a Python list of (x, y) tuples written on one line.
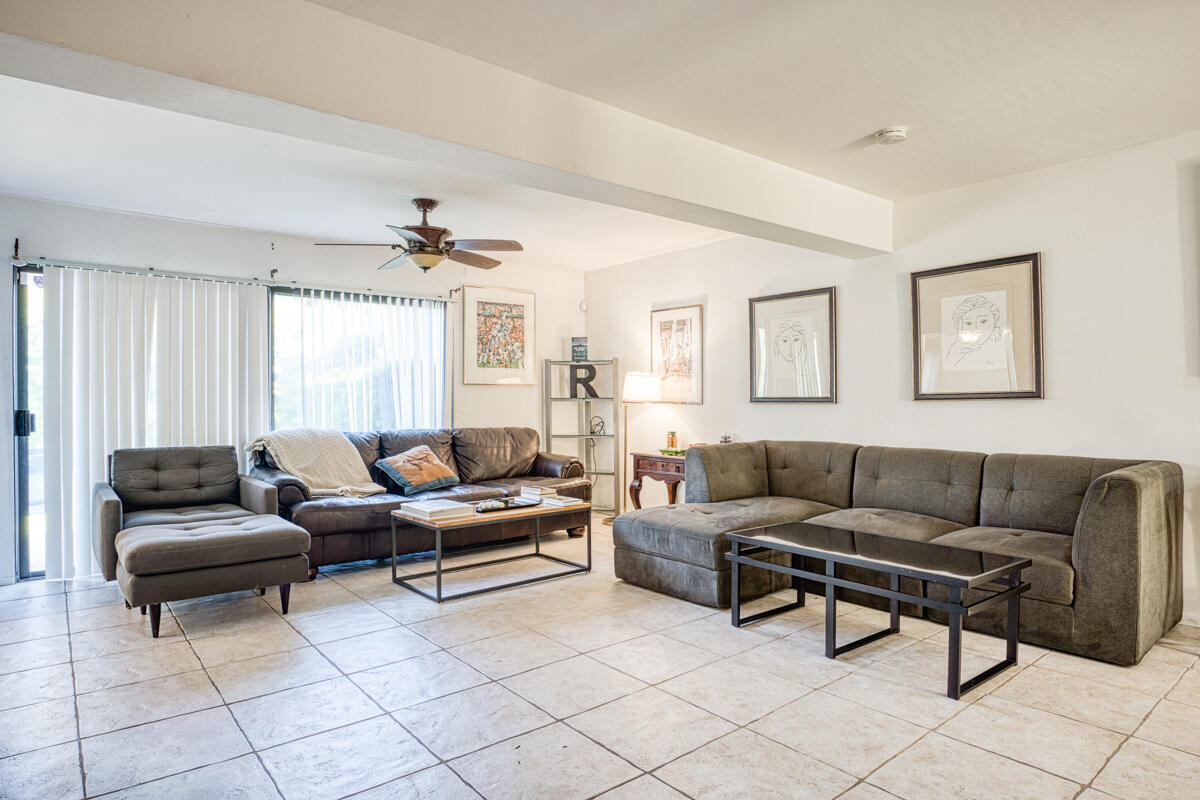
[(141, 361), (356, 362)]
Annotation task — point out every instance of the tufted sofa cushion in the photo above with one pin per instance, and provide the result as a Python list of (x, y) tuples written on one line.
[(820, 471), (717, 472), (178, 516), (1041, 493), (936, 483), (170, 477), (694, 532), (154, 549)]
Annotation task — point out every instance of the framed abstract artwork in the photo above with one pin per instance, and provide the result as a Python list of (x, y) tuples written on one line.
[(498, 336), (677, 352), (793, 347), (977, 330)]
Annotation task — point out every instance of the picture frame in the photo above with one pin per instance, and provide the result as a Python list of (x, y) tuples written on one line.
[(499, 334), (793, 347), (977, 330), (677, 352)]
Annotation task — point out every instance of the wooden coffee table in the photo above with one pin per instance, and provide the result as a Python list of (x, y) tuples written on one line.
[(536, 513)]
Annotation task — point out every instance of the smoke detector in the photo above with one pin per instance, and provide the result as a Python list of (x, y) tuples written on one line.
[(897, 134)]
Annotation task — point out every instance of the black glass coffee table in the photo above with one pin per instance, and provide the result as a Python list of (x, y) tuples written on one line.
[(956, 568)]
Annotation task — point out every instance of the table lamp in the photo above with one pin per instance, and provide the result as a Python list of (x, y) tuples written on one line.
[(640, 387)]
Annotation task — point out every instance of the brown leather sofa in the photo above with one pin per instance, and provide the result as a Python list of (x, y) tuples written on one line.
[(490, 463)]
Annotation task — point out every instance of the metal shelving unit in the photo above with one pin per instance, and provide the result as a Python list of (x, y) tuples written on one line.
[(597, 451)]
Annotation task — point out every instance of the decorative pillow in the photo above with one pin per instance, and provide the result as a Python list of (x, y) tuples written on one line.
[(417, 470)]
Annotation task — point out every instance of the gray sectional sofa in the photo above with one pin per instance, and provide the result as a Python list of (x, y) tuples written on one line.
[(1105, 535)]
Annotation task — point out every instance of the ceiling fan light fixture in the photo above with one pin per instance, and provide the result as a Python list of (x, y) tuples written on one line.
[(425, 260)]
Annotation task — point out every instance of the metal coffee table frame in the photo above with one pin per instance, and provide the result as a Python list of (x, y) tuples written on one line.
[(492, 519), (1007, 578)]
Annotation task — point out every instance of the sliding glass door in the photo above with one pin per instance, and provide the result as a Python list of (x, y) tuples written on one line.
[(30, 441)]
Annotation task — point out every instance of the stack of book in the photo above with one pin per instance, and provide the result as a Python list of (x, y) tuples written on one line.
[(560, 500), (438, 509), (536, 492)]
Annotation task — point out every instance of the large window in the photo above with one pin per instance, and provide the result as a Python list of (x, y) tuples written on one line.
[(356, 362)]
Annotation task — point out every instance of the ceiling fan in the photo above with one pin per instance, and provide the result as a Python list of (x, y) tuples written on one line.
[(426, 245)]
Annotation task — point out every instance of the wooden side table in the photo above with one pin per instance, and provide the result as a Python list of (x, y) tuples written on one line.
[(668, 469)]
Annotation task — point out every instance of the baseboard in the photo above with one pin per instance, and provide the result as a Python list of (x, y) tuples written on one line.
[(1191, 619)]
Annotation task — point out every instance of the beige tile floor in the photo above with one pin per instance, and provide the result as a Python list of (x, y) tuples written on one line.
[(575, 688)]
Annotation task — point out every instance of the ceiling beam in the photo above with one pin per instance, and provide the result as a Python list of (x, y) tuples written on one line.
[(303, 70)]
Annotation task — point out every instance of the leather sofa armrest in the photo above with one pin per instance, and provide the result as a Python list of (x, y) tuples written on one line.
[(257, 495), (553, 465), (291, 490), (107, 516), (1128, 558)]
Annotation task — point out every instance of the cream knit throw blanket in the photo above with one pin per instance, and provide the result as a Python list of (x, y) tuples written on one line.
[(325, 460)]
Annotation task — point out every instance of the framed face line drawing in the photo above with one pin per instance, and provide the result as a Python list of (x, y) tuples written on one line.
[(793, 347), (977, 330), (677, 352)]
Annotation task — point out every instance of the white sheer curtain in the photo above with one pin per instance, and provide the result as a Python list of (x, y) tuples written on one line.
[(357, 362), (136, 360)]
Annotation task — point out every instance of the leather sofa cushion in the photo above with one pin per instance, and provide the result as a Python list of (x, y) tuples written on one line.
[(888, 522), (937, 483), (323, 515), (177, 516), (167, 477), (820, 471), (482, 454), (1041, 493), (694, 532), (367, 445), (154, 549), (718, 472), (1051, 578), (439, 440)]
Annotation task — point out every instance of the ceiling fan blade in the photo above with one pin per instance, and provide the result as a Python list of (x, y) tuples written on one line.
[(408, 235), (355, 244), (472, 259), (485, 244), (398, 261)]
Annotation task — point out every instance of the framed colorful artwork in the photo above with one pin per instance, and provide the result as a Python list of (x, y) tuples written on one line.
[(793, 347), (677, 352), (498, 336), (977, 330)]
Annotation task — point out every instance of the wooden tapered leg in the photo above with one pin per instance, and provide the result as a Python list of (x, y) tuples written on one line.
[(262, 590), (143, 611), (155, 616), (127, 604), (312, 574), (285, 593), (575, 533)]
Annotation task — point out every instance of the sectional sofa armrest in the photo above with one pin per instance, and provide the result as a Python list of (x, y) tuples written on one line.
[(257, 495), (107, 516), (1128, 557), (553, 465), (291, 490)]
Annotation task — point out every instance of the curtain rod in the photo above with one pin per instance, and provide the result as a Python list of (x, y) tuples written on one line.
[(270, 284)]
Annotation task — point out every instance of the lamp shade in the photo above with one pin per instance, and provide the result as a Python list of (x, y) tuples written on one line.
[(642, 387)]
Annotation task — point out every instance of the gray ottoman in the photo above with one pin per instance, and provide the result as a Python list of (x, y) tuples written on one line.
[(160, 563), (680, 549)]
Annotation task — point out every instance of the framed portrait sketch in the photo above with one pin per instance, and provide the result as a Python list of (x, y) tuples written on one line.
[(677, 352), (498, 336), (793, 347), (977, 330)]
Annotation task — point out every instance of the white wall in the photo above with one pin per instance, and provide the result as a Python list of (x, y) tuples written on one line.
[(78, 234), (1121, 281)]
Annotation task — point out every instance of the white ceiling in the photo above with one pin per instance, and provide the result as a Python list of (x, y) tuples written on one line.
[(78, 148), (987, 88)]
